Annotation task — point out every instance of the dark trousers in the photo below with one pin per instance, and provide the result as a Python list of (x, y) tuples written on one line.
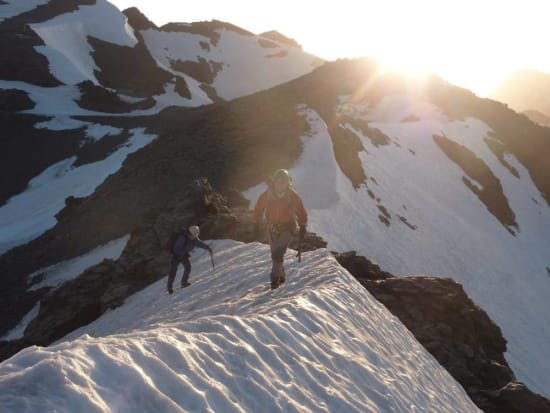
[(278, 243), (176, 260)]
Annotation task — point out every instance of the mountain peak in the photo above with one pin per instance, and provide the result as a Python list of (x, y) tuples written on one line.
[(281, 38), (525, 90), (138, 20), (203, 26)]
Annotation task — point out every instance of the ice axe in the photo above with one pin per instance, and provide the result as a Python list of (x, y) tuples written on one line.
[(212, 259)]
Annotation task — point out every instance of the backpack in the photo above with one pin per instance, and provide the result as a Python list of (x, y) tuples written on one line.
[(292, 225), (174, 237)]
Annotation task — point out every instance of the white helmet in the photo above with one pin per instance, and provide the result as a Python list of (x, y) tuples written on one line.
[(194, 230), (281, 176)]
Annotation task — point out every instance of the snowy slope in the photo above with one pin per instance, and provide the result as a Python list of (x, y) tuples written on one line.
[(245, 66), (446, 230), (66, 44), (320, 343), (13, 8), (29, 214)]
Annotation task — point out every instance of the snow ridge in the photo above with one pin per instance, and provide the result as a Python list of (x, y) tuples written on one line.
[(227, 343)]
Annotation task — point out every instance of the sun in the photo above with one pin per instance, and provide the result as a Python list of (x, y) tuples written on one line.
[(407, 58)]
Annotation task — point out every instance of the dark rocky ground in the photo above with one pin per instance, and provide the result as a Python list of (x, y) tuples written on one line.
[(437, 311), (458, 333)]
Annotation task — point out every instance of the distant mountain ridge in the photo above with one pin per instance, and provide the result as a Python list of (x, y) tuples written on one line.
[(524, 91)]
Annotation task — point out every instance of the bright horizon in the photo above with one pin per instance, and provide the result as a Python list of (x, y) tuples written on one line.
[(472, 44)]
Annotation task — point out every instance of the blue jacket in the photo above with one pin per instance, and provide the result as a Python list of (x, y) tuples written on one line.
[(183, 245)]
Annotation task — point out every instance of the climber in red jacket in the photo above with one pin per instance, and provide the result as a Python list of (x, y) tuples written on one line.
[(282, 207)]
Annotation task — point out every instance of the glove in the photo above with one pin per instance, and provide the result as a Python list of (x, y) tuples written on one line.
[(302, 232)]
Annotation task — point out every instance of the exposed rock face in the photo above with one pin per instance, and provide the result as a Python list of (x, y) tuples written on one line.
[(207, 29), (97, 98), (13, 100), (25, 151), (459, 334), (19, 60), (360, 267), (279, 37), (491, 192), (128, 69), (203, 70), (138, 20)]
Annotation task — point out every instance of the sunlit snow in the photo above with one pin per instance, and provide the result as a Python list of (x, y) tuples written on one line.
[(227, 343), (246, 66)]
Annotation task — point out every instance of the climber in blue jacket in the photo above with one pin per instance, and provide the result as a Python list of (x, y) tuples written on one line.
[(184, 243)]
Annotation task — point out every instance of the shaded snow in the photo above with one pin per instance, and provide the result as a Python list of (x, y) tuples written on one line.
[(96, 132), (66, 45), (32, 212), (456, 236), (320, 343), (16, 7), (55, 275), (18, 331)]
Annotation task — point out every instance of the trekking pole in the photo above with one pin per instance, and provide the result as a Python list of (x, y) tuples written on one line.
[(212, 260), (299, 255)]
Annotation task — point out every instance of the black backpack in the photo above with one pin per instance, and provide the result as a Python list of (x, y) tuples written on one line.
[(173, 237)]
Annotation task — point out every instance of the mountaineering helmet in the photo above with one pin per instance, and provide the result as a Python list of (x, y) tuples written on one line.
[(194, 231), (281, 176)]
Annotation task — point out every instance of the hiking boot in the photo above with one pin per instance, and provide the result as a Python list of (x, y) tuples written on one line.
[(185, 284), (274, 284), (170, 291)]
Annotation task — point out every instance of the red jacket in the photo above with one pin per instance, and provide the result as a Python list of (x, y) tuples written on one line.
[(280, 210)]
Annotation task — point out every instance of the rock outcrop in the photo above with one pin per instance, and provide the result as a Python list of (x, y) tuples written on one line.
[(458, 333)]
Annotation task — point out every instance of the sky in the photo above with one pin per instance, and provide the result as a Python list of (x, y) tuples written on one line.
[(474, 44), (227, 343)]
